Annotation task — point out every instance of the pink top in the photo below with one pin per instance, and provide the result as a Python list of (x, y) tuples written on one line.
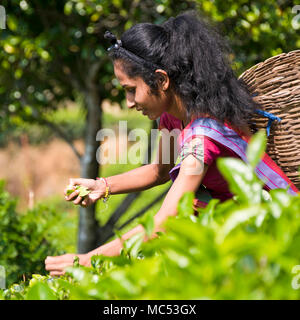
[(213, 180)]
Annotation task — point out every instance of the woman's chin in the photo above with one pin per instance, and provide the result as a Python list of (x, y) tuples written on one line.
[(150, 117)]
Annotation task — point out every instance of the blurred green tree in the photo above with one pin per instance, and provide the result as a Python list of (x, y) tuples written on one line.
[(53, 52), (256, 30)]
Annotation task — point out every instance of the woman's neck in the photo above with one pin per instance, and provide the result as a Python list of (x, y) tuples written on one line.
[(178, 110)]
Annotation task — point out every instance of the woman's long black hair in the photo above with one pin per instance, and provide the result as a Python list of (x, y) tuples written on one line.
[(196, 58)]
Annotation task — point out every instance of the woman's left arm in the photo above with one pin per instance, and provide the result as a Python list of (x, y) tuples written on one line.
[(190, 176)]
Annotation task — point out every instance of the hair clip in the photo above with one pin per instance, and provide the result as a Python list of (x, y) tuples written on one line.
[(117, 45)]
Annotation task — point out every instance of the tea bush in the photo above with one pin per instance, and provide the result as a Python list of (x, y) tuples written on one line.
[(244, 248), (25, 239)]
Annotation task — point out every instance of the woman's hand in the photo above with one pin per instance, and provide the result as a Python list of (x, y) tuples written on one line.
[(57, 265), (97, 188)]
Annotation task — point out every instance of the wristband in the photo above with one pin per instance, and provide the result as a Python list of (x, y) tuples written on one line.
[(107, 189)]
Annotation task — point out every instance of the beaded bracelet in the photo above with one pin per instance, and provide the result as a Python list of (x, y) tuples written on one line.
[(107, 190)]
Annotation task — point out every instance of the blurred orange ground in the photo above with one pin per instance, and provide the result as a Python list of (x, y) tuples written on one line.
[(36, 172), (40, 171)]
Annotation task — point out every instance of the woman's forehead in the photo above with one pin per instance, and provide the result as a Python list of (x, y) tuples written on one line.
[(122, 76)]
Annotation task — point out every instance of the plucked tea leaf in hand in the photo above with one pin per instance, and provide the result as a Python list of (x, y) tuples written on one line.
[(69, 191), (83, 191)]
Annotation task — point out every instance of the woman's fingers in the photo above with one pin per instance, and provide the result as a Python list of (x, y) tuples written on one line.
[(71, 196), (59, 259), (56, 273), (72, 184), (87, 201), (57, 265), (78, 200), (75, 181), (74, 197)]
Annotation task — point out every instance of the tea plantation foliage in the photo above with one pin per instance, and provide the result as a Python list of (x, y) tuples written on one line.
[(26, 239), (244, 248)]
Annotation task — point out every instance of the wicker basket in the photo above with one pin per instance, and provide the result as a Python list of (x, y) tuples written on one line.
[(276, 83)]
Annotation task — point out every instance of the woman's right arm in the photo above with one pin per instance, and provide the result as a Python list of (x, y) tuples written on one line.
[(147, 176), (138, 179)]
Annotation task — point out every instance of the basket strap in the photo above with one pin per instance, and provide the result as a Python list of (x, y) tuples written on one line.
[(270, 116), (211, 128)]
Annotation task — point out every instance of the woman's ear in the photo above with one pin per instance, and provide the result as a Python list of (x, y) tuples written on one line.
[(163, 79)]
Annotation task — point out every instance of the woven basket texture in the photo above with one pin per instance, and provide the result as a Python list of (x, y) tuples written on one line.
[(276, 84)]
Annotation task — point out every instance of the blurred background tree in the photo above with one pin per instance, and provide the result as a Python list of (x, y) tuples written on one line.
[(53, 52), (256, 30)]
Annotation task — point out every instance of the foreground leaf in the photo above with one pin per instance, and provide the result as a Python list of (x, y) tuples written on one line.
[(40, 291)]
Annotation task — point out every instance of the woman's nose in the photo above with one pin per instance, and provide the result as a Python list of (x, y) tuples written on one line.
[(130, 103)]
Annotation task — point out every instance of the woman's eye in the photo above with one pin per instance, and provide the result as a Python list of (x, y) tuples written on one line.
[(131, 90)]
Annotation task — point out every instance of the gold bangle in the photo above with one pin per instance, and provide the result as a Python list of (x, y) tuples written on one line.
[(107, 189)]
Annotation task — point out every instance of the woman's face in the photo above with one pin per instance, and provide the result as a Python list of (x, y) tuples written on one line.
[(139, 96)]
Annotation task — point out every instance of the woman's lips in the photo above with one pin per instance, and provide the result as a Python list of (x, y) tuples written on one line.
[(143, 111)]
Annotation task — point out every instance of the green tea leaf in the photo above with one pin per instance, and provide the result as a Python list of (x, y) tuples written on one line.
[(83, 191), (238, 217), (185, 205), (206, 214), (133, 245), (118, 233), (256, 148), (147, 221), (40, 291), (69, 191), (76, 262), (242, 179)]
